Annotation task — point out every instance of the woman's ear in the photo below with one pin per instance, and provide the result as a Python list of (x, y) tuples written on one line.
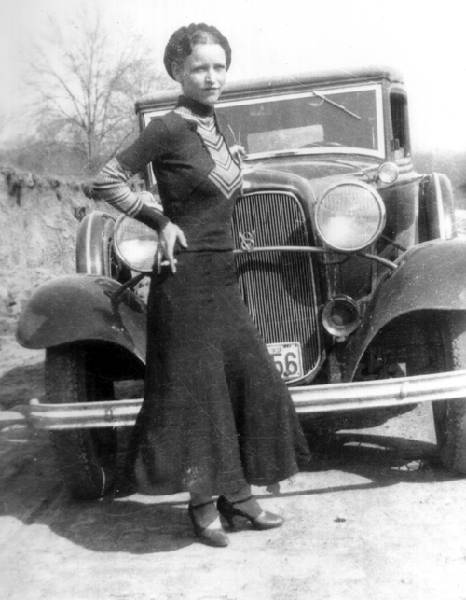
[(177, 71)]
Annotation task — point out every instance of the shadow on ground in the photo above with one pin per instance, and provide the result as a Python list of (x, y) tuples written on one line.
[(382, 460), (32, 491)]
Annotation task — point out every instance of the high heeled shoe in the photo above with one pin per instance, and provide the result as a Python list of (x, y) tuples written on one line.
[(263, 520), (212, 536)]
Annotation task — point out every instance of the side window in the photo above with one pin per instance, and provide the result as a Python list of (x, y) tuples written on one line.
[(400, 132)]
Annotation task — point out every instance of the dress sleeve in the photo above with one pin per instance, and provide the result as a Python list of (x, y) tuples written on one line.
[(111, 184), (149, 146)]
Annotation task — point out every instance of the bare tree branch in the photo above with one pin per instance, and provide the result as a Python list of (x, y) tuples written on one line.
[(87, 89)]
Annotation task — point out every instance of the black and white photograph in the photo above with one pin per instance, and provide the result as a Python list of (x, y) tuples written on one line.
[(232, 300)]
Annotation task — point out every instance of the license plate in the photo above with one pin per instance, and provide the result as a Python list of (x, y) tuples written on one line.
[(288, 359)]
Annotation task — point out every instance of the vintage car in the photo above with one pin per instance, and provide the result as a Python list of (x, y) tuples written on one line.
[(347, 260)]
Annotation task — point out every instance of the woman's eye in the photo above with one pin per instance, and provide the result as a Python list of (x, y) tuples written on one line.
[(203, 69)]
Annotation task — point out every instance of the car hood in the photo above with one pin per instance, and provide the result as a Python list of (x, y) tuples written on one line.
[(304, 175)]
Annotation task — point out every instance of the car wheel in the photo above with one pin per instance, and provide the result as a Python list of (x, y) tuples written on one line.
[(439, 344), (450, 415), (87, 457)]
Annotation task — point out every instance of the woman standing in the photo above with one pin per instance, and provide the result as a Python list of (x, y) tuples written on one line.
[(216, 416)]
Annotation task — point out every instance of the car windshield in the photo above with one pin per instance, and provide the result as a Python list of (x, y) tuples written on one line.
[(321, 120)]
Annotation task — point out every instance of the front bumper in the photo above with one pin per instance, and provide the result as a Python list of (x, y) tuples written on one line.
[(307, 399)]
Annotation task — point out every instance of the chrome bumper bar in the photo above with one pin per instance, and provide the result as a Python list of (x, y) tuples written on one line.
[(381, 393), (307, 399)]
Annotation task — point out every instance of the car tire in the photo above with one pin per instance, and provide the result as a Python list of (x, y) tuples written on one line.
[(450, 415), (86, 457)]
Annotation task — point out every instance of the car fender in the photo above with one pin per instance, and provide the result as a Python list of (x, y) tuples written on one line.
[(429, 276), (436, 208), (83, 307)]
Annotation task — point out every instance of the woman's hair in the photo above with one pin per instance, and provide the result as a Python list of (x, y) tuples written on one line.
[(181, 43)]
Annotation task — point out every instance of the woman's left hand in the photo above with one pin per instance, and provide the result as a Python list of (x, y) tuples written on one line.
[(169, 236)]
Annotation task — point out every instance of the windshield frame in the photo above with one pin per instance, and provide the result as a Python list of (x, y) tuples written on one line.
[(379, 152)]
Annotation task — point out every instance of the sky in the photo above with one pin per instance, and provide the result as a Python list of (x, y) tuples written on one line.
[(423, 40)]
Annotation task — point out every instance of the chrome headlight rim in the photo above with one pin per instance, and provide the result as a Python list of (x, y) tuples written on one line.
[(123, 257), (379, 203)]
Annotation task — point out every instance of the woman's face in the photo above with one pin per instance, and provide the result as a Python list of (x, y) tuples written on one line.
[(203, 73)]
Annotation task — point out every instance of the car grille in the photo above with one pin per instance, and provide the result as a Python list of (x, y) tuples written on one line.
[(277, 287)]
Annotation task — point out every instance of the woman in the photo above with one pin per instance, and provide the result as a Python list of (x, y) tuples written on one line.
[(216, 416)]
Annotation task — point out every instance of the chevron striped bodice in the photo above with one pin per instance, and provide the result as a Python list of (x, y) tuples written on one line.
[(226, 174)]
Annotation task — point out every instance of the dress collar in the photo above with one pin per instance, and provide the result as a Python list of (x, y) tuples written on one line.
[(198, 109)]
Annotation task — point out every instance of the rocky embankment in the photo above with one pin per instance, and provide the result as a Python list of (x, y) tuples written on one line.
[(39, 217), (38, 223)]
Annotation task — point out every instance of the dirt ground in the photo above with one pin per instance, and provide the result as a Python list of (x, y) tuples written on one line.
[(377, 520)]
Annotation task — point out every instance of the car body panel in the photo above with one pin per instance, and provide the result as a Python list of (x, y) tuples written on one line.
[(430, 276), (80, 308), (401, 202)]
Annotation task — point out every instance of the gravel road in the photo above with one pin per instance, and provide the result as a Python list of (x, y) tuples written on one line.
[(377, 520)]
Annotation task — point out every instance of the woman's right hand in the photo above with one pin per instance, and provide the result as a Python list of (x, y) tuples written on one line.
[(169, 235)]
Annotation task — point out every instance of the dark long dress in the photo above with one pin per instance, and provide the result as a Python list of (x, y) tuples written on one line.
[(216, 414)]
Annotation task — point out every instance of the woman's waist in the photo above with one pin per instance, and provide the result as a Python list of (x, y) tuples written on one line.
[(205, 242), (201, 268), (205, 232), (218, 259)]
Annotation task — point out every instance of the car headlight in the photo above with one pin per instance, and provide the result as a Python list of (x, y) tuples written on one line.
[(349, 216), (135, 244)]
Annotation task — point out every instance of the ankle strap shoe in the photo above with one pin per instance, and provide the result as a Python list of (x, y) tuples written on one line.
[(210, 535), (263, 520)]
